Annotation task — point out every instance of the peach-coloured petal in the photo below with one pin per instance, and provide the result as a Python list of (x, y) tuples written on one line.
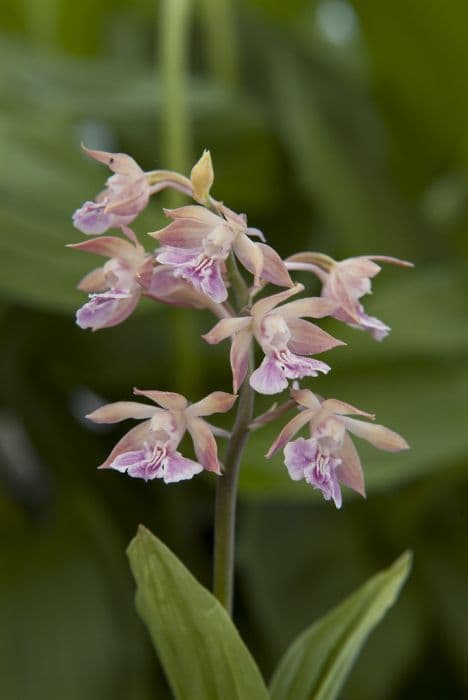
[(204, 444), (343, 408), (195, 213), (309, 339), (121, 410), (181, 234), (239, 357), (274, 269), (117, 162), (378, 435), (304, 397), (250, 255), (133, 440), (109, 246), (262, 307), (167, 399), (289, 430), (314, 307), (217, 402), (94, 281), (349, 472), (225, 328)]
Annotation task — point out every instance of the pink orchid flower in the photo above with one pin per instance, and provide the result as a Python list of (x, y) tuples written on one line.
[(126, 194), (284, 336), (115, 288), (149, 451), (346, 282), (329, 457), (198, 241)]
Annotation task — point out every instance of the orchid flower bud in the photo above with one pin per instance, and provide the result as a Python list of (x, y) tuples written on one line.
[(202, 177)]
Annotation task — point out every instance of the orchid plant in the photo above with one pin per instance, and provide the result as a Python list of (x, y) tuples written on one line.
[(209, 258)]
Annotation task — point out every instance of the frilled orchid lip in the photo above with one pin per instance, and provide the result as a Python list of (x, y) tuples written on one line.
[(304, 460), (149, 450)]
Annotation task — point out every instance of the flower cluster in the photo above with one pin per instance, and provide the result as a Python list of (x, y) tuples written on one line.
[(196, 264)]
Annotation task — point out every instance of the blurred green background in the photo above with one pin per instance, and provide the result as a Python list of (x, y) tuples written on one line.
[(337, 125)]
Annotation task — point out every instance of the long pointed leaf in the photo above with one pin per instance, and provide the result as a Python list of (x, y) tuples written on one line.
[(199, 647), (317, 663)]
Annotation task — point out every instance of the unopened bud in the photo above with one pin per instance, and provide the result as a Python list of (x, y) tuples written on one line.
[(202, 177)]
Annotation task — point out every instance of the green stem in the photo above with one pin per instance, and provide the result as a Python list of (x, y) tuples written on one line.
[(218, 21), (173, 34), (226, 500)]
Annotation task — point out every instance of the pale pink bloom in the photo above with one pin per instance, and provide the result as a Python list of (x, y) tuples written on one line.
[(345, 282), (198, 241), (126, 194), (114, 289), (149, 451), (328, 457), (284, 336)]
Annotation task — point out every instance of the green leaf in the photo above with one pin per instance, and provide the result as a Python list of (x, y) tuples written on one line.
[(199, 647), (317, 663)]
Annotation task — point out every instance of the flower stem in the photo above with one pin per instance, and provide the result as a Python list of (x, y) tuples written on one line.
[(226, 500)]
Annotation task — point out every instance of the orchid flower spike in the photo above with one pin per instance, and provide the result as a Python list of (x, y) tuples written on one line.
[(328, 457), (284, 336), (198, 241), (149, 451), (346, 282), (114, 289), (126, 194)]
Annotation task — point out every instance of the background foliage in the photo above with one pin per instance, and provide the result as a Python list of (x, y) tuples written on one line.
[(336, 125)]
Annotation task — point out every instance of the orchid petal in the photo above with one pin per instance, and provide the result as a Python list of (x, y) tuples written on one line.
[(217, 402), (378, 435), (225, 328), (343, 408), (132, 440), (106, 310), (239, 357), (179, 468), (181, 234), (270, 377), (309, 339), (94, 281), (121, 410), (174, 290), (289, 430), (91, 219), (304, 397), (274, 269), (250, 255), (194, 213), (109, 246), (117, 162), (204, 444), (262, 307), (169, 400), (315, 307), (349, 472)]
